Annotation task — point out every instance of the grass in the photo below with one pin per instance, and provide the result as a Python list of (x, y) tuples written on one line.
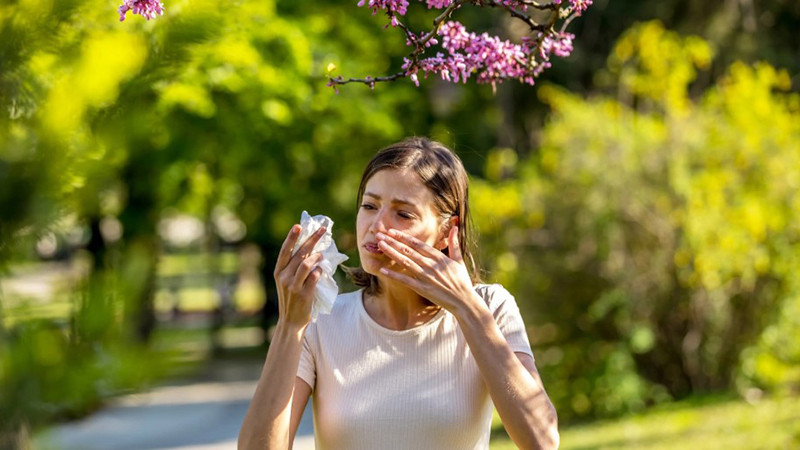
[(699, 423)]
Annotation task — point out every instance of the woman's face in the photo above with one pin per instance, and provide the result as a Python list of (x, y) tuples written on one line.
[(394, 199)]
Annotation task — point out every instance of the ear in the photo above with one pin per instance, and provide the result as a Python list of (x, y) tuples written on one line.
[(442, 243)]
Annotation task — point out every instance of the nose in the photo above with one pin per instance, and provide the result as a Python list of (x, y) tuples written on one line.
[(380, 222)]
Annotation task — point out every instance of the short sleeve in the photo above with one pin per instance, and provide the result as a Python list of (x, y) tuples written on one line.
[(506, 313), (307, 370)]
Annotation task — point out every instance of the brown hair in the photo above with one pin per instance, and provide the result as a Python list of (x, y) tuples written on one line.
[(443, 173)]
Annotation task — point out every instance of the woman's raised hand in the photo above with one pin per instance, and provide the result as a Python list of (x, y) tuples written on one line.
[(296, 278), (432, 274)]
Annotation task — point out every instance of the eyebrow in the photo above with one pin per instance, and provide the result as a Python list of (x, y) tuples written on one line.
[(394, 200)]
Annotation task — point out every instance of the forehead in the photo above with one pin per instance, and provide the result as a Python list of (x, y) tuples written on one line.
[(399, 185)]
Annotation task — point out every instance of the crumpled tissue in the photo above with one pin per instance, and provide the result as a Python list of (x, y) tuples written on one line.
[(327, 289)]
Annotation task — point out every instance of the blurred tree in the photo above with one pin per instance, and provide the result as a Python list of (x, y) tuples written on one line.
[(256, 132), (208, 106), (738, 30), (658, 233), (213, 105)]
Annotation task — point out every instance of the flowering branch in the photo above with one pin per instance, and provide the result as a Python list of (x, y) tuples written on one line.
[(148, 9), (491, 59)]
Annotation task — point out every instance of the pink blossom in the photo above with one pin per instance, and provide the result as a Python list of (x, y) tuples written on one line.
[(391, 6), (558, 43), (489, 58), (438, 4), (578, 6), (148, 9)]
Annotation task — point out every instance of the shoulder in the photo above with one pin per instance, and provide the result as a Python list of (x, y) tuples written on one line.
[(506, 313), (495, 295)]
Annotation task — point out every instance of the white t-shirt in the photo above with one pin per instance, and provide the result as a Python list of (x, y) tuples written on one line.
[(376, 388)]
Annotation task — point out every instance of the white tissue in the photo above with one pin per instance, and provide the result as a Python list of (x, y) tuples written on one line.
[(327, 289)]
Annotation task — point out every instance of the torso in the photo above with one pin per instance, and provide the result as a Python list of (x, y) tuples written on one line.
[(376, 388)]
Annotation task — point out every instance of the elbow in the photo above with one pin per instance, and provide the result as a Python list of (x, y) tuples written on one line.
[(547, 439), (247, 440), (546, 435), (243, 442), (552, 439)]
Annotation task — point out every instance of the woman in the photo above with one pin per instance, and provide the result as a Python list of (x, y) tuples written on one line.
[(417, 357)]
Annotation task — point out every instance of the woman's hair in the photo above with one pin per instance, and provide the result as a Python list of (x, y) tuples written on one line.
[(443, 173)]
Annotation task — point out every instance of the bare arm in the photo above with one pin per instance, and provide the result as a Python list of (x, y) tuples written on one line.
[(270, 422), (512, 380), (272, 418), (302, 392)]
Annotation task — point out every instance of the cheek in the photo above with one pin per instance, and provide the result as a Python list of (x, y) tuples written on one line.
[(362, 227), (359, 231), (423, 233)]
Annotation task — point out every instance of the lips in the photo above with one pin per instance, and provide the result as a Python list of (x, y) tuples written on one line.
[(373, 248)]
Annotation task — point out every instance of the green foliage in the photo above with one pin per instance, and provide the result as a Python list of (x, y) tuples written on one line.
[(657, 232), (54, 370), (214, 108)]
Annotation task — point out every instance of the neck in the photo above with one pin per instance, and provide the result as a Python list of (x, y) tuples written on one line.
[(398, 307)]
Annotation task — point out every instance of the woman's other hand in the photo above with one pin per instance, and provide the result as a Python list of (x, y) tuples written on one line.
[(441, 279), (296, 278)]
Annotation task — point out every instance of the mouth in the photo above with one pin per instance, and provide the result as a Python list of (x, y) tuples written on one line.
[(373, 248)]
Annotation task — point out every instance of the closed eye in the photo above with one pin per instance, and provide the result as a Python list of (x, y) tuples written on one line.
[(367, 206)]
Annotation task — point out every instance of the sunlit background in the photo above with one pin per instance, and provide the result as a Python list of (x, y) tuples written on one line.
[(642, 202)]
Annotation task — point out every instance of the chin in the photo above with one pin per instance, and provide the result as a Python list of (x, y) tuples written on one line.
[(370, 264)]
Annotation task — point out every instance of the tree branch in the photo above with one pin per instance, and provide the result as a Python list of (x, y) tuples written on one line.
[(366, 80), (536, 59), (519, 15)]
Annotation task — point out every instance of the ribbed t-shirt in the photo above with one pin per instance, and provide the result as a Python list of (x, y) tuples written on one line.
[(420, 388)]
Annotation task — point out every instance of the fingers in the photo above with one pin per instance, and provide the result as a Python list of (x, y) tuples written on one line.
[(416, 244), (285, 253), (401, 254), (304, 269), (311, 280), (455, 245), (309, 244), (304, 251), (411, 282)]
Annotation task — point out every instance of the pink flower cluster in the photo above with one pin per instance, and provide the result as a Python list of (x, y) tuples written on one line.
[(392, 7), (148, 9), (489, 57), (578, 6), (559, 43), (438, 4)]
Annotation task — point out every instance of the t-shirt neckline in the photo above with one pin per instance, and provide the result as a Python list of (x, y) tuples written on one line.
[(375, 325)]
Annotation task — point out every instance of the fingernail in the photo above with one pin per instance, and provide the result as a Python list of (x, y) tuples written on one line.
[(393, 232), (380, 236), (295, 229)]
